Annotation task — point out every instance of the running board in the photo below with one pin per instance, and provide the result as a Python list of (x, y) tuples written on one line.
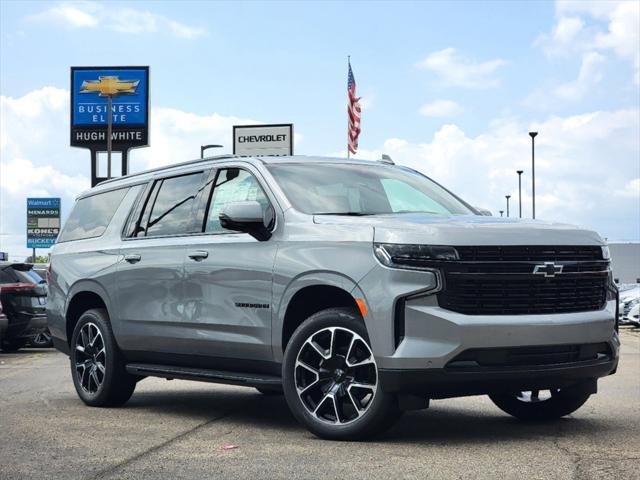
[(204, 375)]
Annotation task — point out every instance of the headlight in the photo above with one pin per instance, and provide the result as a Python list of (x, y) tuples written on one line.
[(413, 256), (606, 255)]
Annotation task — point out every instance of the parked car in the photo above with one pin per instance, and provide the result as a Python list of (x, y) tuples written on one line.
[(4, 322), (359, 289), (634, 315), (43, 339), (24, 298), (629, 298)]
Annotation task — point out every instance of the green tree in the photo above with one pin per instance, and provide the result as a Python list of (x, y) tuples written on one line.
[(39, 259)]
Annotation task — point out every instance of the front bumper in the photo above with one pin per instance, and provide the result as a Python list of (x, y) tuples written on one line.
[(444, 383), (414, 340)]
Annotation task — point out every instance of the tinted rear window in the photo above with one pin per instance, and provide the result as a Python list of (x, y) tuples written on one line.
[(91, 215), (172, 208), (19, 274)]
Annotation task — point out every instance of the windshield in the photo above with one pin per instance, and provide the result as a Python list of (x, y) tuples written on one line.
[(354, 189)]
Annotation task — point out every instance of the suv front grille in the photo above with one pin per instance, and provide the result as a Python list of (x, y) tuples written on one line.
[(503, 282), (536, 253)]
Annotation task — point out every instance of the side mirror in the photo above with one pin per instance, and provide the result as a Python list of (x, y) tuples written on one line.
[(247, 217)]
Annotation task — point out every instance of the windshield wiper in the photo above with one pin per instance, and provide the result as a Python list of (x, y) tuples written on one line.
[(350, 214)]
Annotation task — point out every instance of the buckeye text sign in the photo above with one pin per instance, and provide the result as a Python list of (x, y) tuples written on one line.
[(91, 88), (263, 139), (43, 222)]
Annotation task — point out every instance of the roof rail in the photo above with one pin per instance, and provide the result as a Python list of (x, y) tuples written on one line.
[(386, 159), (166, 167)]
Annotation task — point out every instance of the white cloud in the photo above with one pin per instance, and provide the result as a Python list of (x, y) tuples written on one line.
[(68, 15), (580, 161), (441, 108), (366, 103), (456, 70), (630, 190), (612, 26), (590, 74), (119, 19)]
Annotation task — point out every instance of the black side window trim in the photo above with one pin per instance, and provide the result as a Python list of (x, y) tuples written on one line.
[(135, 212), (214, 180), (150, 194)]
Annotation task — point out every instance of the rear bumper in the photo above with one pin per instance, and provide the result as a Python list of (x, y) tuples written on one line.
[(4, 323), (26, 326), (443, 383)]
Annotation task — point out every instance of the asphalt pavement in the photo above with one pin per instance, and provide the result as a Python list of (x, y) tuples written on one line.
[(178, 429)]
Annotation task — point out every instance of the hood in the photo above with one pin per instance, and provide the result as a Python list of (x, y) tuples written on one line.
[(467, 230)]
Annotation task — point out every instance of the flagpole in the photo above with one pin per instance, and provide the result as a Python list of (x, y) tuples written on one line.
[(348, 151)]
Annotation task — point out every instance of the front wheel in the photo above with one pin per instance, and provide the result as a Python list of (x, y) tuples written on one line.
[(331, 381), (97, 366), (540, 405)]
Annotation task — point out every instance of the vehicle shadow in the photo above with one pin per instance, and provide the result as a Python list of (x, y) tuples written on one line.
[(438, 424)]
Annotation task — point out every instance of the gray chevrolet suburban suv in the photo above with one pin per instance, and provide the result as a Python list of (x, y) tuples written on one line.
[(358, 289)]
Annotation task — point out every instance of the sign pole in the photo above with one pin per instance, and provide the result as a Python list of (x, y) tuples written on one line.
[(109, 128), (33, 255)]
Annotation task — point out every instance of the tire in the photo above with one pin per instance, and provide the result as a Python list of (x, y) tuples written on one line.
[(270, 391), (11, 346), (525, 407), (343, 399), (98, 372), (42, 340)]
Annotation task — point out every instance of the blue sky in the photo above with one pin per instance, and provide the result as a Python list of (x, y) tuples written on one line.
[(449, 87)]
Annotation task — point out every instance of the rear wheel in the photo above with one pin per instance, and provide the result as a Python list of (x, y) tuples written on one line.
[(541, 405), (42, 340), (331, 381), (97, 366)]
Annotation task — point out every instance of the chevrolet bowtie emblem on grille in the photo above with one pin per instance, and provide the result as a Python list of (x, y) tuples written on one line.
[(549, 269), (105, 86)]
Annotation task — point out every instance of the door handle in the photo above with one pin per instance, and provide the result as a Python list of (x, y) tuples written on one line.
[(199, 255), (132, 257)]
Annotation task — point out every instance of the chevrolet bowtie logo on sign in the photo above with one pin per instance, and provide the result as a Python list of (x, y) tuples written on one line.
[(109, 86), (91, 88), (549, 269)]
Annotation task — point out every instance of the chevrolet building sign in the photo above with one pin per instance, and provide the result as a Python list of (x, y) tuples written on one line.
[(128, 88), (251, 140)]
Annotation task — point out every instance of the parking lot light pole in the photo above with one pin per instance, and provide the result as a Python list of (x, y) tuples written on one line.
[(507, 197), (204, 147), (519, 172), (533, 171)]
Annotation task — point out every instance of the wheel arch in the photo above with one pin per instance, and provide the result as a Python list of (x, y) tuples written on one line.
[(307, 295), (82, 297)]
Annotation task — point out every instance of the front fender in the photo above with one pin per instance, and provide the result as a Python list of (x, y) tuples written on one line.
[(316, 278)]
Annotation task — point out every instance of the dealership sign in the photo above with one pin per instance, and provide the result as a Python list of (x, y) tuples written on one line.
[(91, 88), (263, 139), (43, 222)]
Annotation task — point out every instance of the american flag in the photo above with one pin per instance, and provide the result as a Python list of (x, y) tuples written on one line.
[(353, 109)]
